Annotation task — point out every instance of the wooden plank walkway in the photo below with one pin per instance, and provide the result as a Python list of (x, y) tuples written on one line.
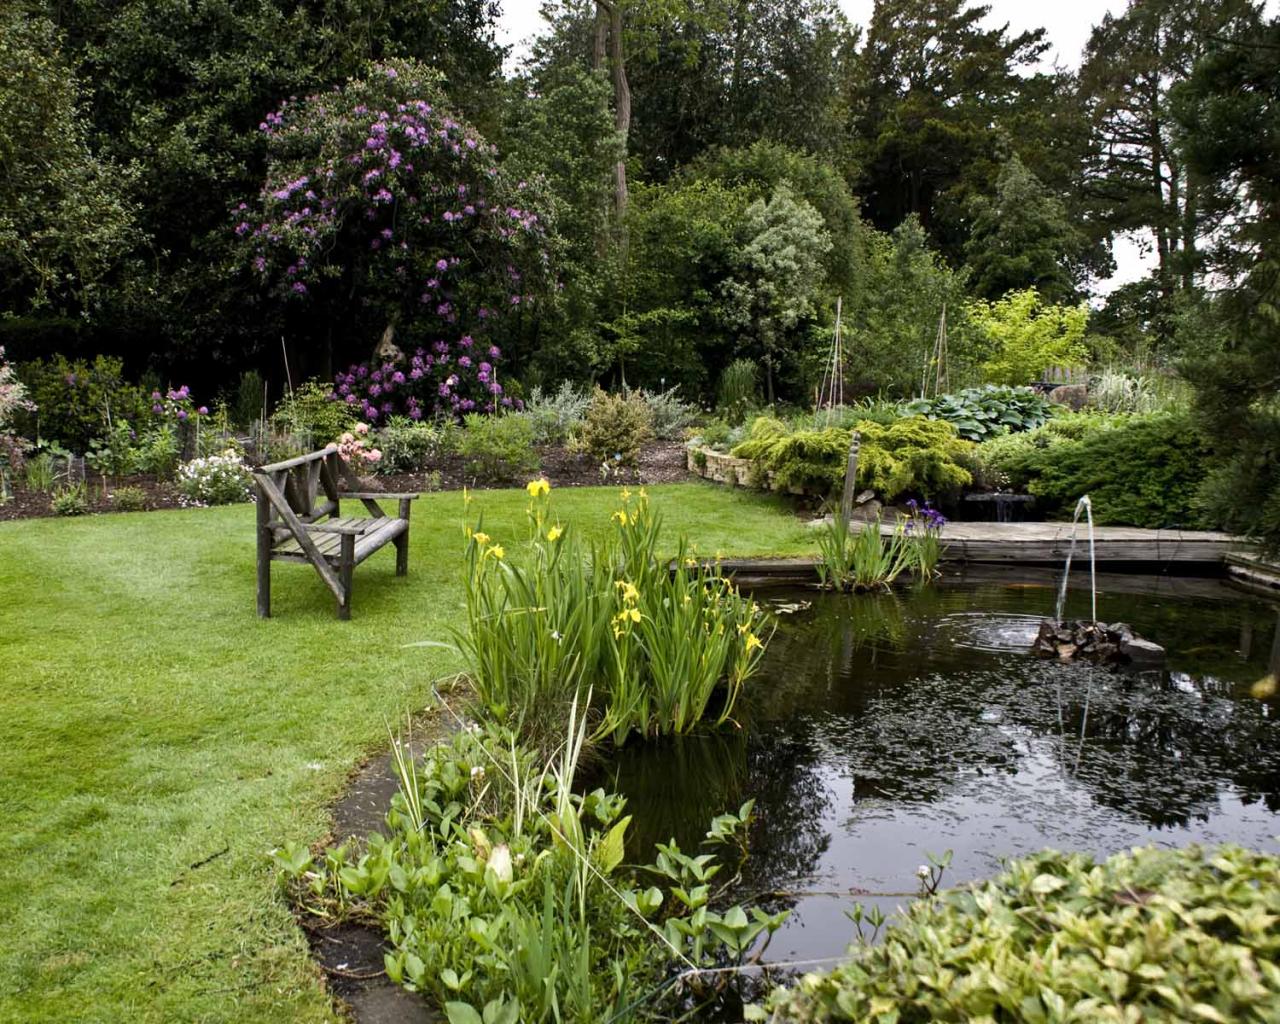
[(1050, 542), (1043, 544)]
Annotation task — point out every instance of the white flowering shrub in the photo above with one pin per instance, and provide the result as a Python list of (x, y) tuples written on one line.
[(215, 480)]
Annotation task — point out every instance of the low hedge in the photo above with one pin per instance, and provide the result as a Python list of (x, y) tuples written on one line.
[(1149, 935)]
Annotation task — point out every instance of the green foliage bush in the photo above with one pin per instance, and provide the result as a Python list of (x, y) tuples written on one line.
[(556, 415), (1026, 337), (498, 447), (76, 400), (1141, 471), (406, 446), (70, 501), (982, 413), (912, 455), (311, 417), (616, 427), (158, 451), (1147, 935), (670, 413), (128, 499)]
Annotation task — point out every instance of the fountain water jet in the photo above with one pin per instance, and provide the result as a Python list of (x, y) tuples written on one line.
[(1089, 640)]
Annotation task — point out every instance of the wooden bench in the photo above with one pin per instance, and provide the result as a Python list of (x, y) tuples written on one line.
[(295, 495)]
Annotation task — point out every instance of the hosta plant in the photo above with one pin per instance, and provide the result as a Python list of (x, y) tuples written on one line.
[(979, 414)]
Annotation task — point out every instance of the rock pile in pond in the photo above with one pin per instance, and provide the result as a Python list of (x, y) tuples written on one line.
[(1100, 642)]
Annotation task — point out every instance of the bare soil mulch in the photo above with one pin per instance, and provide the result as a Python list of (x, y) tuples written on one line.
[(660, 463)]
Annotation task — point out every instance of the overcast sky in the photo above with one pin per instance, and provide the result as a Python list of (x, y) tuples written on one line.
[(1067, 26)]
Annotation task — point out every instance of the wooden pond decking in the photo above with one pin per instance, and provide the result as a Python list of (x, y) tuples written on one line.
[(1050, 542), (1044, 544)]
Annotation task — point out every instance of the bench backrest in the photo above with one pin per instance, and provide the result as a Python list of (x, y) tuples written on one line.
[(308, 484)]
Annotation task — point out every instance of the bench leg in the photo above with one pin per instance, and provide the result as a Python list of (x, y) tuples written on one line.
[(402, 542), (345, 571), (264, 558)]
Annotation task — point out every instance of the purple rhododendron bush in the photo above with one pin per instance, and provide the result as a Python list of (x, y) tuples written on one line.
[(376, 190)]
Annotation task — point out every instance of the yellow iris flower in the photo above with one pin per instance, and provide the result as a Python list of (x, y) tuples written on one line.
[(538, 487), (554, 534)]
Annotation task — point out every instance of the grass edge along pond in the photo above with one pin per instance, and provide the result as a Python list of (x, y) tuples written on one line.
[(157, 739)]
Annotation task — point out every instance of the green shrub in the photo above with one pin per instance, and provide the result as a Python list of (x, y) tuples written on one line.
[(128, 499), (406, 446), (1143, 471), (158, 452), (498, 447), (215, 480), (70, 501), (670, 414), (250, 393), (1147, 935), (912, 455), (556, 416), (717, 434), (311, 417), (616, 427), (979, 414), (113, 454), (77, 400), (738, 392), (1027, 337)]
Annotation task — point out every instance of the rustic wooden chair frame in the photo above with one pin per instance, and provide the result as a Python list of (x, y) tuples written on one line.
[(290, 530)]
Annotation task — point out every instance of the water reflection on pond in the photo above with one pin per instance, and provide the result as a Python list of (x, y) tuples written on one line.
[(887, 727)]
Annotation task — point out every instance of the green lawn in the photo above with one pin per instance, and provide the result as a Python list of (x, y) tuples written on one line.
[(150, 722)]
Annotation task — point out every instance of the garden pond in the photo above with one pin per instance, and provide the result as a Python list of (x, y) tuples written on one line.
[(885, 728)]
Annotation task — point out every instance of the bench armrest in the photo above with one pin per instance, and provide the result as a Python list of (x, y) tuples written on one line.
[(374, 495), (354, 531)]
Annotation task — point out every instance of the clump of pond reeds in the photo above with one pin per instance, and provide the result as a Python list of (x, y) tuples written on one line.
[(869, 558), (666, 644)]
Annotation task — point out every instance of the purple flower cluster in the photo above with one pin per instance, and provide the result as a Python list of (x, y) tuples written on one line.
[(443, 381), (176, 404), (928, 518), (393, 191)]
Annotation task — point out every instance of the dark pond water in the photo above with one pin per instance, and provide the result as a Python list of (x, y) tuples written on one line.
[(885, 728)]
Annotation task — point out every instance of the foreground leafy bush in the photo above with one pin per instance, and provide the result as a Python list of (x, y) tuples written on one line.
[(1143, 471), (215, 480), (498, 447), (503, 895), (664, 648), (616, 428), (911, 455), (1148, 935), (982, 413)]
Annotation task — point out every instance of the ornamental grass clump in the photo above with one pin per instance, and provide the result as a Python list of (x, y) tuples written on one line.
[(1148, 935), (666, 646)]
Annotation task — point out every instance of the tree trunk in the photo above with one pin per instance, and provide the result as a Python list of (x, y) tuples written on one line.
[(622, 119)]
